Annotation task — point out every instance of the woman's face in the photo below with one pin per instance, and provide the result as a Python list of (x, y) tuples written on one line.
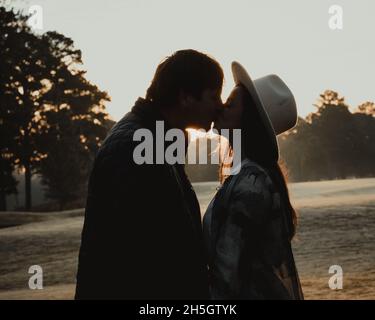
[(231, 114)]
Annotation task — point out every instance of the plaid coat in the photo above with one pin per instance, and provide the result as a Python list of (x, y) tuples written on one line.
[(246, 236)]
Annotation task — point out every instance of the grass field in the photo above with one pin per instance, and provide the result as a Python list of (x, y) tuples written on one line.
[(336, 227)]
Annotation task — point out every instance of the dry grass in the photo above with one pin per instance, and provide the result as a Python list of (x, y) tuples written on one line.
[(337, 226)]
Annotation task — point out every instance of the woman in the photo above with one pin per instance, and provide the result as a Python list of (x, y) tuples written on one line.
[(250, 223)]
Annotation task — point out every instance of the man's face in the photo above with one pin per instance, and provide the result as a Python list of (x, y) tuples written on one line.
[(199, 114)]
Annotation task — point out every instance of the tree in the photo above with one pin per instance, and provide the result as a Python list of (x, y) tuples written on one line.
[(10, 24), (364, 120), (332, 124), (77, 125), (367, 107), (8, 184), (45, 95), (24, 72), (331, 142)]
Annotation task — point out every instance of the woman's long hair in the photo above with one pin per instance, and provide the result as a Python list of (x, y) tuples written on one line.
[(254, 142)]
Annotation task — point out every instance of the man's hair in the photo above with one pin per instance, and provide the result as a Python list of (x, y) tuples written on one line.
[(186, 71)]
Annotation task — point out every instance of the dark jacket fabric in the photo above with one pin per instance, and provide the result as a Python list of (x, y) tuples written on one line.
[(142, 233), (246, 236)]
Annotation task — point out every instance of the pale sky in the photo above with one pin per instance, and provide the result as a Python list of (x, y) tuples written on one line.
[(123, 41)]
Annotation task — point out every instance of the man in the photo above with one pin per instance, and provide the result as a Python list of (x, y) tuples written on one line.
[(142, 235)]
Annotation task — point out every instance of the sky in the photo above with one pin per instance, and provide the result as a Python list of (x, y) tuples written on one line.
[(123, 41)]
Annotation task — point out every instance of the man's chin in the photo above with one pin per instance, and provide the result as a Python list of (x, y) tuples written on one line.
[(217, 126)]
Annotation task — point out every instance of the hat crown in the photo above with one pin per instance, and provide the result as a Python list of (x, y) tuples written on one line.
[(274, 101), (278, 101)]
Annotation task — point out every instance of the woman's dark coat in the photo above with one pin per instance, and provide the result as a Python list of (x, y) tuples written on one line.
[(246, 235)]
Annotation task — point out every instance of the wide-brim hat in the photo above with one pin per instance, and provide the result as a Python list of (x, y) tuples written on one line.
[(273, 100)]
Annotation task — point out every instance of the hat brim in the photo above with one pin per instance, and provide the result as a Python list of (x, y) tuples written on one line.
[(241, 76)]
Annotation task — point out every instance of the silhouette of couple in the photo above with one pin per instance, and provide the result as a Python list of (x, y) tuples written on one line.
[(143, 237)]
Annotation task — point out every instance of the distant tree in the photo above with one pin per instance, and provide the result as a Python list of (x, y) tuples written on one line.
[(367, 108), (295, 147), (329, 98), (75, 132), (331, 142), (364, 120), (8, 184), (45, 92), (333, 126), (11, 26)]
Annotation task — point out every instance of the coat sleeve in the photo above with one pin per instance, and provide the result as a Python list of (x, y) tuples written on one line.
[(249, 205), (251, 200), (127, 234), (137, 203)]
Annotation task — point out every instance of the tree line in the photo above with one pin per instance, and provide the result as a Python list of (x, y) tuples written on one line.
[(332, 142)]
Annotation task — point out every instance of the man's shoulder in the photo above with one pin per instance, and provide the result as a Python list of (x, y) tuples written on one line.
[(120, 137), (124, 129)]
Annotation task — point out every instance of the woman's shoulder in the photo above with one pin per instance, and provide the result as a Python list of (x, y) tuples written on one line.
[(253, 194), (252, 177)]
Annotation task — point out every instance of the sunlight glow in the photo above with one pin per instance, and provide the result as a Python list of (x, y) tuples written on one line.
[(195, 134)]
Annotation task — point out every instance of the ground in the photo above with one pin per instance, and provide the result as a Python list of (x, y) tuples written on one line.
[(336, 227)]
